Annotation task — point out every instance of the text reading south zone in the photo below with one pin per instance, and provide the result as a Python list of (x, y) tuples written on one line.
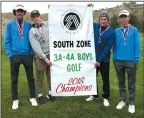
[(71, 44)]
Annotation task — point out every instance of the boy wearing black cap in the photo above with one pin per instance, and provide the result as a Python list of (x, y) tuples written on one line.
[(103, 39), (39, 40), (19, 51)]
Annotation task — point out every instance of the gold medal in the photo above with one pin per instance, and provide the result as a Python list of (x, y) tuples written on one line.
[(99, 40), (21, 37), (124, 41)]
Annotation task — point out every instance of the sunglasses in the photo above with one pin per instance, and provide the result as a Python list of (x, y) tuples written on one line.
[(123, 16)]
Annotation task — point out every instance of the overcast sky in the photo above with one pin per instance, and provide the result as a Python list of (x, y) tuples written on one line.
[(43, 6)]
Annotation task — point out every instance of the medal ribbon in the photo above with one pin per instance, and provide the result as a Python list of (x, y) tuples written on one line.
[(100, 33), (125, 34), (40, 31), (20, 29)]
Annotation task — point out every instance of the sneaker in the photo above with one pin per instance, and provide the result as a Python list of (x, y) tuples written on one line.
[(105, 102), (91, 98), (33, 102), (41, 100), (15, 104), (51, 98), (131, 108), (121, 105)]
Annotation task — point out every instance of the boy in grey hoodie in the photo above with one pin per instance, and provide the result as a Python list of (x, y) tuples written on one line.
[(39, 40)]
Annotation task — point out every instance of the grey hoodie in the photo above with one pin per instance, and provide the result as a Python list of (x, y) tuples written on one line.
[(39, 45)]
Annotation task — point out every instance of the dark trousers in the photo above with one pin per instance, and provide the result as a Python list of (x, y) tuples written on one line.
[(104, 70), (121, 68), (27, 61)]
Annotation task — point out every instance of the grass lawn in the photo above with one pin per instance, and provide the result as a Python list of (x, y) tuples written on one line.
[(70, 107)]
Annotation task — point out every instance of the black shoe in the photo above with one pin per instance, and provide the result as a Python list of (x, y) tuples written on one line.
[(41, 100), (51, 98), (96, 97)]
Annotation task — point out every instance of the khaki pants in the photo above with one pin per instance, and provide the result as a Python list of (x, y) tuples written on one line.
[(41, 68)]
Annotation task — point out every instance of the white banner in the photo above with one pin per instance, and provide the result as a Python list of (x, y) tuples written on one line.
[(72, 52)]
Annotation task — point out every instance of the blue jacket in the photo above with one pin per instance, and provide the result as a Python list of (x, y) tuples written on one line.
[(102, 49), (130, 51), (12, 42)]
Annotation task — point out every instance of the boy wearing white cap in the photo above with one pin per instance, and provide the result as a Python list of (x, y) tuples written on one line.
[(19, 51), (126, 54)]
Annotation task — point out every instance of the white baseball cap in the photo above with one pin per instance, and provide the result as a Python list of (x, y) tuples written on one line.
[(124, 12), (19, 7)]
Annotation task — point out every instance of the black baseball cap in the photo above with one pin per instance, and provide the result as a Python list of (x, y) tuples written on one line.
[(35, 12)]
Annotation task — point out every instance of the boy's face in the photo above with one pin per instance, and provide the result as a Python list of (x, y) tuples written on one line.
[(124, 19), (19, 14), (36, 19), (103, 21)]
